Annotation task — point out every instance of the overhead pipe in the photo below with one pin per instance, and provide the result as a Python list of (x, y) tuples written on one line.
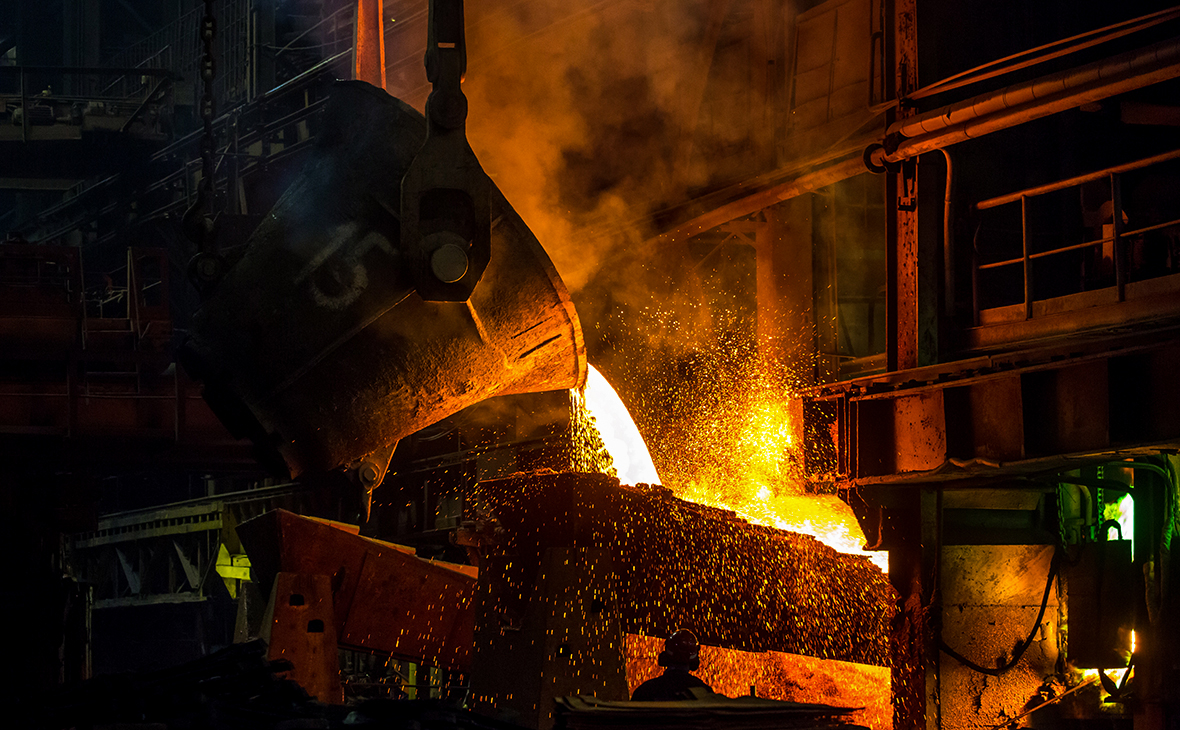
[(1025, 102)]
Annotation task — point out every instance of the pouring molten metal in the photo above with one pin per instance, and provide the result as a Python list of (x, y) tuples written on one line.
[(765, 495)]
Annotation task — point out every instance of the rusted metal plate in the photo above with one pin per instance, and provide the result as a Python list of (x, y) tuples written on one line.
[(1101, 602), (903, 434), (919, 423), (996, 420), (684, 565), (410, 607), (383, 597), (301, 631)]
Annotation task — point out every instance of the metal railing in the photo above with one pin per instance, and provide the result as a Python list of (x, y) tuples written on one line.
[(161, 59), (1117, 238), (262, 125), (132, 92), (180, 43)]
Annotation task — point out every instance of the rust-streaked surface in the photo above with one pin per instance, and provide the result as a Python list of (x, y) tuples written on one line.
[(383, 597), (777, 676), (301, 631), (369, 46), (990, 596), (684, 565)]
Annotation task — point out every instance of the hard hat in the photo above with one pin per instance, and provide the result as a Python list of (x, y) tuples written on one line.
[(681, 649)]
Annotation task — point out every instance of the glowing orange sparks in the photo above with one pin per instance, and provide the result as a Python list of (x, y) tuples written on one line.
[(765, 492)]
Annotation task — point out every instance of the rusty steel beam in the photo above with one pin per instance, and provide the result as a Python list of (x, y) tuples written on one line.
[(384, 599), (1031, 412), (684, 565), (901, 201), (369, 43), (914, 657)]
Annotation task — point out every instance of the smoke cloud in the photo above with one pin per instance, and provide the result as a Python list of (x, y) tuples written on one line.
[(586, 118), (591, 118), (574, 112)]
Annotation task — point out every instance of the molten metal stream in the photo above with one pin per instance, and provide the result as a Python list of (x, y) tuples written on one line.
[(766, 494), (619, 433)]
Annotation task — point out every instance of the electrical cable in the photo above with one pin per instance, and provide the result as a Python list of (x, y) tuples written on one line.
[(1011, 722), (1018, 654), (1104, 528), (1166, 474)]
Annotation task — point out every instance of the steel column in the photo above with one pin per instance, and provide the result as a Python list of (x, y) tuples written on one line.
[(901, 207), (1024, 236), (369, 42)]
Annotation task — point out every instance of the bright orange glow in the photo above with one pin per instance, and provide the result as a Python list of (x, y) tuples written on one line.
[(762, 489), (822, 516), (770, 493), (732, 672)]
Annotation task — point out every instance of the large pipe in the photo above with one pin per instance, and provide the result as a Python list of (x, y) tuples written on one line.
[(1021, 103)]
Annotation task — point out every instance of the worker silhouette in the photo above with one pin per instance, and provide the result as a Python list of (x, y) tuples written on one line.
[(681, 656)]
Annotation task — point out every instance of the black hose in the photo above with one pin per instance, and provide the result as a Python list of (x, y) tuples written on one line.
[(1104, 528), (1022, 647)]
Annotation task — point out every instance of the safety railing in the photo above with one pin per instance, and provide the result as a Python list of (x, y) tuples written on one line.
[(123, 85), (247, 137), (1113, 240), (180, 43), (27, 98)]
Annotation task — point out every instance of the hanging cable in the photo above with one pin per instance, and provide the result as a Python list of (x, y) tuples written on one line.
[(1018, 653), (208, 111)]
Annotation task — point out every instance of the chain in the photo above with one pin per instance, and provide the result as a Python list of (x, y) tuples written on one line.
[(206, 267), (208, 109)]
